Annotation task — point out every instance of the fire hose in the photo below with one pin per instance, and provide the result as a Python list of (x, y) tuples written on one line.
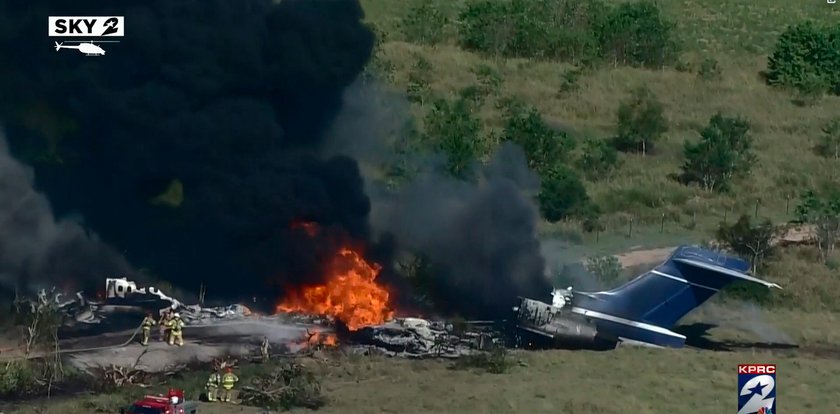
[(70, 351), (122, 345)]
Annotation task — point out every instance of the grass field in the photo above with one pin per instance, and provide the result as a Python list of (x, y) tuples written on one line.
[(738, 35), (627, 380)]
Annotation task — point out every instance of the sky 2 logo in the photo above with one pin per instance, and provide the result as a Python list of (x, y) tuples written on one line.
[(86, 26)]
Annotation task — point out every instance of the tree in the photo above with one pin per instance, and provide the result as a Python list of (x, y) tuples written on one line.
[(749, 240), (641, 121), (562, 194), (543, 145), (724, 152), (424, 24), (822, 212), (597, 159), (807, 57), (637, 34), (454, 130)]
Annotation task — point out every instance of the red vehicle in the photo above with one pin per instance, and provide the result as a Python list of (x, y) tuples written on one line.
[(172, 403)]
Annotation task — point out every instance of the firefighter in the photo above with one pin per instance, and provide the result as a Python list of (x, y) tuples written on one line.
[(176, 326), (265, 348), (212, 386), (228, 381), (148, 323), (162, 326)]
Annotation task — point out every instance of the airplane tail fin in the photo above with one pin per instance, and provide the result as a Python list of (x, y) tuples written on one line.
[(58, 45), (666, 293)]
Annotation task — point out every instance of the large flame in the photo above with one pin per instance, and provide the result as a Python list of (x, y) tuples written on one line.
[(350, 294)]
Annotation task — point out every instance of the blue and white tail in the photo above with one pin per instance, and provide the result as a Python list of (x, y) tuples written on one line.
[(58, 45), (644, 308)]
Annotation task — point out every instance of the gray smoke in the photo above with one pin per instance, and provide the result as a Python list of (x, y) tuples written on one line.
[(744, 317), (36, 250), (481, 236)]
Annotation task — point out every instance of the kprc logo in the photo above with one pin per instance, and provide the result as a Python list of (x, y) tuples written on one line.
[(757, 389), (86, 26)]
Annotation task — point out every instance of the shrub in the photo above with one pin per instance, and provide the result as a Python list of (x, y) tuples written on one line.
[(823, 212), (424, 24), (807, 57), (543, 146), (752, 241), (419, 82), (637, 34), (641, 121), (454, 130), (530, 28), (724, 152), (489, 78), (709, 70), (597, 159), (829, 144), (562, 194), (495, 361), (606, 269)]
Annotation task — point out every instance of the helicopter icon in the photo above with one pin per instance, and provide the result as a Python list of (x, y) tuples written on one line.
[(88, 48)]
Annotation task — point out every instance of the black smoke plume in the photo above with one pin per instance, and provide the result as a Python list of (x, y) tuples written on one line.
[(36, 250), (192, 144), (480, 238)]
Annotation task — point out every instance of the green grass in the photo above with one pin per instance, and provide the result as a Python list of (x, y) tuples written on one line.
[(627, 380), (738, 35)]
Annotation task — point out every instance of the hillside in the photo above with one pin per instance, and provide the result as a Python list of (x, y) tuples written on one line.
[(736, 39)]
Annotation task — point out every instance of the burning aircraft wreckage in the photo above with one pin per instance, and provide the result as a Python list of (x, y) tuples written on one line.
[(640, 312)]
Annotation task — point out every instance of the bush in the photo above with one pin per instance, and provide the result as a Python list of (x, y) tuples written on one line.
[(641, 122), (530, 28), (18, 379), (723, 153), (290, 385), (562, 194), (752, 241), (709, 70), (424, 24), (496, 361), (543, 146), (606, 269), (637, 34), (571, 30), (597, 159), (489, 78), (419, 82), (829, 144), (454, 130), (807, 57)]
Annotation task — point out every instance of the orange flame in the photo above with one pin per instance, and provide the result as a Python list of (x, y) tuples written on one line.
[(350, 294), (323, 338)]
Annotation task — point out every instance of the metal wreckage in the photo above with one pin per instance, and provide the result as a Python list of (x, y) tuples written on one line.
[(641, 312)]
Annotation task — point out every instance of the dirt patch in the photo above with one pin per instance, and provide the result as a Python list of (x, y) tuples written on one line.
[(644, 257), (794, 235)]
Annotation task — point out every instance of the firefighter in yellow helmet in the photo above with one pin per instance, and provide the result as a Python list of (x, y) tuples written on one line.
[(212, 386), (176, 326), (147, 324), (162, 326), (228, 381)]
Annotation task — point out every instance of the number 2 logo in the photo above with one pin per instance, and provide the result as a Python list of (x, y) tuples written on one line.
[(111, 26), (760, 387)]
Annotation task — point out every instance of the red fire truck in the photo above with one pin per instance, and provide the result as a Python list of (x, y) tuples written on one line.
[(171, 403)]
